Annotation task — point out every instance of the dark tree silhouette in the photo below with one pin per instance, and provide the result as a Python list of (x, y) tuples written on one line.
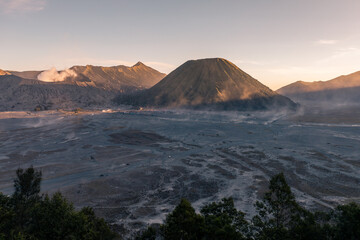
[(224, 221), (183, 223), (27, 183), (29, 215), (278, 212)]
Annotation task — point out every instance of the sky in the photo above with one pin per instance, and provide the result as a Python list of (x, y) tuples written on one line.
[(275, 41)]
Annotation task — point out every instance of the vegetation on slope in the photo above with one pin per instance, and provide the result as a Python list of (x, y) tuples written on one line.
[(28, 215), (279, 217)]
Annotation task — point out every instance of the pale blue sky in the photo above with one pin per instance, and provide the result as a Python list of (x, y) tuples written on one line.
[(275, 41)]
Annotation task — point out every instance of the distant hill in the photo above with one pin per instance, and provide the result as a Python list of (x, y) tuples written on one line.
[(86, 86), (121, 77), (26, 74), (2, 73), (117, 78), (215, 83), (343, 90), (27, 94)]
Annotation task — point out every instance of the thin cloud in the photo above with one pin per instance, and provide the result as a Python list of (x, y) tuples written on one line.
[(343, 59), (296, 70), (348, 55), (340, 62), (326, 42), (15, 6)]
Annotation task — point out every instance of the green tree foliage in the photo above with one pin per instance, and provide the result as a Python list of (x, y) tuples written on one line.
[(27, 184), (149, 234), (276, 212), (92, 227), (217, 221), (6, 216), (281, 217), (183, 223), (54, 218), (224, 221), (25, 197), (28, 215), (347, 219)]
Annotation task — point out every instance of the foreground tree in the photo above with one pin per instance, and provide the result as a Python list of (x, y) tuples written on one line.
[(218, 220), (347, 221), (224, 221), (29, 215), (25, 197), (6, 216), (148, 234), (183, 223), (27, 184), (281, 217)]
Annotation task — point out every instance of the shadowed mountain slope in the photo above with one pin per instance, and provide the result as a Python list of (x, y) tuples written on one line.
[(212, 82), (27, 94)]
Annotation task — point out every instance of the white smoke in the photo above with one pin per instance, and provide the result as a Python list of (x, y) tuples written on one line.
[(52, 75)]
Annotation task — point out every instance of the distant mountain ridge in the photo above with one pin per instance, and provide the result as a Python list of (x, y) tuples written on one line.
[(343, 90), (27, 94), (116, 78), (213, 82), (344, 81), (2, 73), (139, 76), (26, 74), (90, 86)]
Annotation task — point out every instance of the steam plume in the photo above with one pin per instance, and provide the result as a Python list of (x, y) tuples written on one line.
[(52, 75)]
